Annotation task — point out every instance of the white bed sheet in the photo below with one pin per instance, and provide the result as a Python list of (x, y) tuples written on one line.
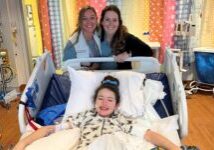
[(68, 139)]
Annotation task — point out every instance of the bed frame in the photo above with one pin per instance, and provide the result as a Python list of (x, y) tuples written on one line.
[(44, 70)]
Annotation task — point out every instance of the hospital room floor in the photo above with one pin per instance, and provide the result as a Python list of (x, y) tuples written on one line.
[(201, 122)]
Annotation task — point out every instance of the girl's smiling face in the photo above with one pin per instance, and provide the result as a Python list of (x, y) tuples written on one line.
[(105, 103)]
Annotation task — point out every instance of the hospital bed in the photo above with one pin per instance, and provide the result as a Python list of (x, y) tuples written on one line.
[(44, 71)]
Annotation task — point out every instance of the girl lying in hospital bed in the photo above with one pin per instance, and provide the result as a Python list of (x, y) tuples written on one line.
[(104, 119)]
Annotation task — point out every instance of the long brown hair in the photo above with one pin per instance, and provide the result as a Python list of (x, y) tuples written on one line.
[(118, 40), (79, 22)]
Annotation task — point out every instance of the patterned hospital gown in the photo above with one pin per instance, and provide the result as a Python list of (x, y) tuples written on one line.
[(93, 126)]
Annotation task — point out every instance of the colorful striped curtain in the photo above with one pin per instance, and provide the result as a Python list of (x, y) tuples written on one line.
[(150, 20), (118, 3), (195, 32), (207, 31), (183, 11), (82, 3), (45, 25), (145, 20), (56, 31), (126, 8), (98, 5), (162, 24), (137, 20), (156, 20), (168, 27), (132, 21), (63, 24), (140, 22), (70, 16)]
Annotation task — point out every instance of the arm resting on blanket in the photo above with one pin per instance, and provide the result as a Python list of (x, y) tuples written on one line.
[(159, 140), (41, 132)]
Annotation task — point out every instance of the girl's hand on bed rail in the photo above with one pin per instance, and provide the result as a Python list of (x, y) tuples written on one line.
[(122, 57), (93, 66)]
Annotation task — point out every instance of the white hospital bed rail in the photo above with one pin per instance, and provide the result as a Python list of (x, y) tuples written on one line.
[(171, 69), (42, 73), (141, 64)]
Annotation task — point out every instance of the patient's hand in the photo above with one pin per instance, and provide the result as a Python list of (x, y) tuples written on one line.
[(63, 126), (94, 66)]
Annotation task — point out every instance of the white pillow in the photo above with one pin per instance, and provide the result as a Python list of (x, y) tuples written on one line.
[(84, 83), (131, 92)]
